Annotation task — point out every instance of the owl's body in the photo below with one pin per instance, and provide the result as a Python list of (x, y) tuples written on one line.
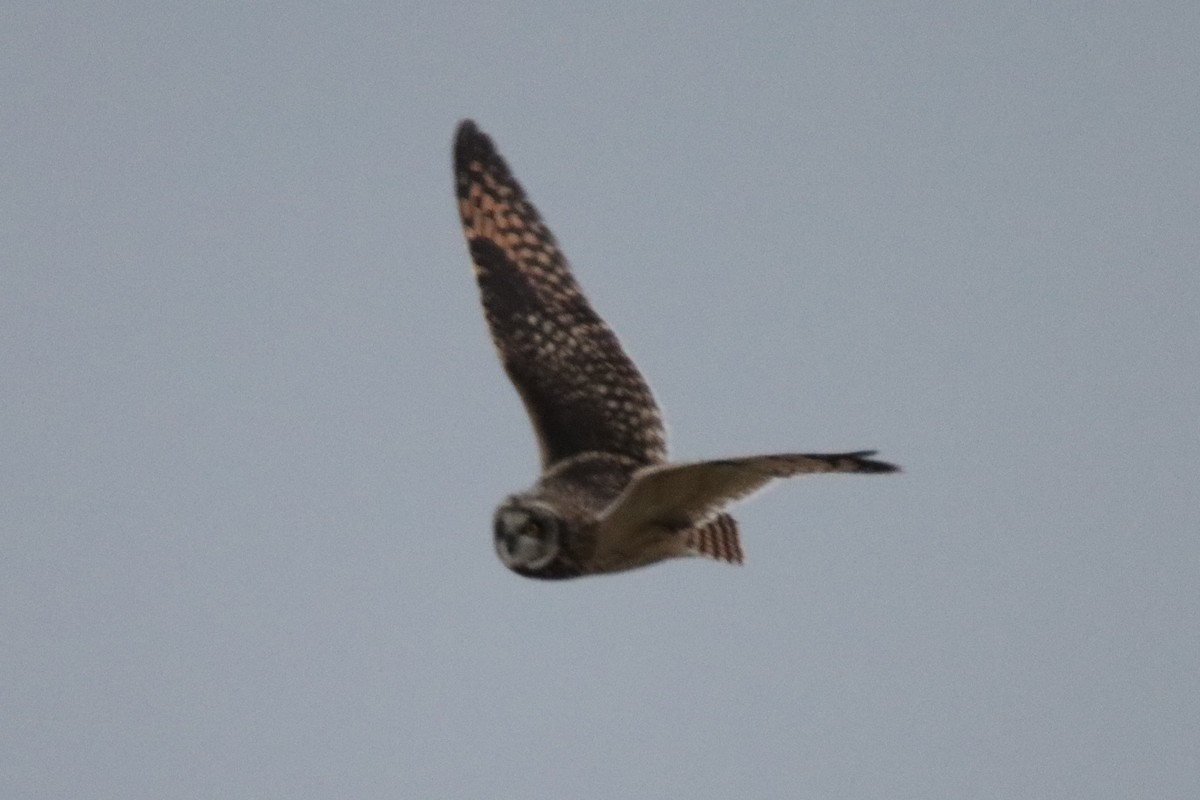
[(578, 489), (607, 499)]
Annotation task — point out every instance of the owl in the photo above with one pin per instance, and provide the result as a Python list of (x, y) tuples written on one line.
[(608, 499)]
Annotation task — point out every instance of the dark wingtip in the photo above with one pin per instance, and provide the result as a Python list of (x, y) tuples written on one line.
[(467, 129), (866, 464), (470, 143)]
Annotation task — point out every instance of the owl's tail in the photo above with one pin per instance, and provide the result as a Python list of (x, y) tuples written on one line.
[(717, 539)]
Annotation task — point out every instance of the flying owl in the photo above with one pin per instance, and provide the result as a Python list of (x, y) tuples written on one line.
[(607, 499)]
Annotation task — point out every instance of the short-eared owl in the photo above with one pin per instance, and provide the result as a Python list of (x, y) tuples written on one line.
[(607, 500)]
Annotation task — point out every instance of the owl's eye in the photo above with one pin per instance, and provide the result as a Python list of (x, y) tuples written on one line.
[(531, 529)]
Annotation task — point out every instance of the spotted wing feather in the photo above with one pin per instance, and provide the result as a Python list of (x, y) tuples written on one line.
[(581, 390)]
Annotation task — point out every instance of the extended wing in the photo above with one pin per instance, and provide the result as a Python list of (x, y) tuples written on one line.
[(682, 496), (581, 390)]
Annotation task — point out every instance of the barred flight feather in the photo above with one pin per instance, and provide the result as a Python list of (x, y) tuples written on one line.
[(717, 539)]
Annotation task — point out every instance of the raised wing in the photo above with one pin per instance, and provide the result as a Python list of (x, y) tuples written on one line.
[(581, 390), (682, 496)]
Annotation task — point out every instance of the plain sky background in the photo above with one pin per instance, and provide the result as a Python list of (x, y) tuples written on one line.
[(252, 429)]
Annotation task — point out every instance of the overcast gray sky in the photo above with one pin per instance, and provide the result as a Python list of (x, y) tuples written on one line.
[(252, 429)]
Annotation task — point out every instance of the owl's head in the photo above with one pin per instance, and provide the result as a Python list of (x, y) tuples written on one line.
[(528, 535)]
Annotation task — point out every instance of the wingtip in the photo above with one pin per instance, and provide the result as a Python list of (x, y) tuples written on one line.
[(470, 142), (466, 128), (475, 153), (864, 463)]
